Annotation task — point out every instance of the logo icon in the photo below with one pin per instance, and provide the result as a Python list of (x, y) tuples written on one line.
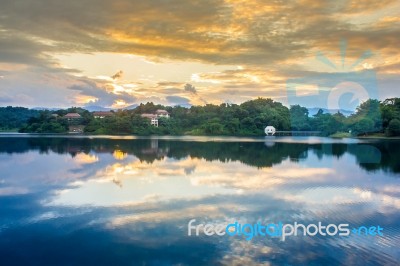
[(343, 88)]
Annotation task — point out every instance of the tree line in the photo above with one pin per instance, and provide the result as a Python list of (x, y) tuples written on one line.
[(14, 118), (246, 119)]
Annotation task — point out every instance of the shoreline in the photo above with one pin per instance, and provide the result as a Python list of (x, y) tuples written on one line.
[(125, 136)]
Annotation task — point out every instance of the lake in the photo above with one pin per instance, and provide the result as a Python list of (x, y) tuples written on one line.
[(75, 200)]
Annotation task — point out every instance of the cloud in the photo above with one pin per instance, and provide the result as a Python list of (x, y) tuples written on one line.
[(356, 7), (272, 40), (169, 84), (196, 98), (117, 75), (5, 99), (252, 32), (100, 95), (19, 49), (170, 91), (190, 88)]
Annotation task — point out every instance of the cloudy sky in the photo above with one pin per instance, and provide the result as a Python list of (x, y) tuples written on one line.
[(57, 53)]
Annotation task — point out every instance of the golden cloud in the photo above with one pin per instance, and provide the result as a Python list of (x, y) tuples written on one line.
[(258, 35)]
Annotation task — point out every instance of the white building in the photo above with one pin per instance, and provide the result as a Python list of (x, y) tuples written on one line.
[(154, 117)]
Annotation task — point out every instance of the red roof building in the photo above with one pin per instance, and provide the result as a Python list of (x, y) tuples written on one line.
[(72, 116)]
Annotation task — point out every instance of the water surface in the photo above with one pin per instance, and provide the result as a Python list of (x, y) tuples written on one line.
[(128, 200)]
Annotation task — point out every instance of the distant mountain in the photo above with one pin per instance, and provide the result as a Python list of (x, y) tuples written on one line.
[(186, 105), (314, 111), (95, 108), (133, 106), (46, 108)]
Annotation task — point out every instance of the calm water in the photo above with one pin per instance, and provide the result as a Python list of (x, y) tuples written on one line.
[(126, 201)]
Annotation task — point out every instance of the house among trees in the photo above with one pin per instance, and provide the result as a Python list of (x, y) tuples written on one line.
[(162, 113), (75, 129), (73, 119), (72, 116), (154, 117), (102, 114)]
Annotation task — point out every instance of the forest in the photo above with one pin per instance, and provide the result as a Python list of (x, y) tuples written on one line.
[(14, 118), (246, 119)]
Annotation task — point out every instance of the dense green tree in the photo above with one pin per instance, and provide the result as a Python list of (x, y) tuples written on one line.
[(394, 127), (367, 118), (46, 122), (363, 126), (299, 118), (12, 118), (390, 110)]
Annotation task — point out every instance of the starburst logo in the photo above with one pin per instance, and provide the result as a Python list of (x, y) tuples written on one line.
[(351, 84), (342, 87)]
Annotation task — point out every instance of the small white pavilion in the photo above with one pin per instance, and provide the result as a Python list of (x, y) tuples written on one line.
[(270, 130)]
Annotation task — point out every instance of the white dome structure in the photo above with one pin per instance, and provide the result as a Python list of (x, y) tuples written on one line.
[(270, 130)]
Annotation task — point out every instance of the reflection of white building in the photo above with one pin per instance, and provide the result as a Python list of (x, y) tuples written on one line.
[(270, 130), (155, 150), (154, 117)]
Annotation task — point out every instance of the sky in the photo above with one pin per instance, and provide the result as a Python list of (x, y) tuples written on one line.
[(56, 53)]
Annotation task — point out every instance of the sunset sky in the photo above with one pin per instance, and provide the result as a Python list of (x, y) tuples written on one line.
[(58, 53)]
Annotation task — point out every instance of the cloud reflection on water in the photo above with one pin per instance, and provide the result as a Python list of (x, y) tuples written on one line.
[(143, 194)]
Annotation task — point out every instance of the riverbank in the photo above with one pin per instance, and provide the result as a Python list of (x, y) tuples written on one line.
[(9, 130), (340, 135), (377, 136), (371, 136)]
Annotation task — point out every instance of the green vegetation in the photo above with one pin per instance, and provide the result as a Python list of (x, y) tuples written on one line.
[(53, 121), (13, 118), (341, 135), (247, 119), (45, 123), (393, 128)]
